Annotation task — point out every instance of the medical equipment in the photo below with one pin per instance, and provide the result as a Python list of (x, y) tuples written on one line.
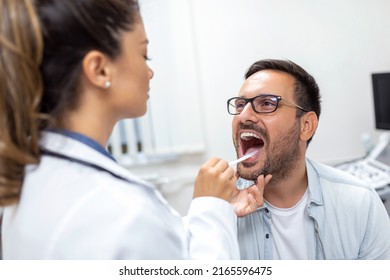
[(374, 168), (234, 162)]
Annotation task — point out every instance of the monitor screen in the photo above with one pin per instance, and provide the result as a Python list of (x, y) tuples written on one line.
[(381, 90)]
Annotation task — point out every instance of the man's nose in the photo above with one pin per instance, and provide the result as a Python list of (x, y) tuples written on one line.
[(248, 114)]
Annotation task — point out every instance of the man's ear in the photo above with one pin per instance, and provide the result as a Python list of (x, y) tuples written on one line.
[(309, 123), (96, 68)]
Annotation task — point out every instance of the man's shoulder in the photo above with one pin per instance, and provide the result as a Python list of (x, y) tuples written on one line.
[(334, 175)]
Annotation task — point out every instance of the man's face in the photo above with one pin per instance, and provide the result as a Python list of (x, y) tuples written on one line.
[(275, 135)]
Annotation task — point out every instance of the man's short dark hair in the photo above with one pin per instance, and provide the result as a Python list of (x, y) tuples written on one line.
[(307, 93)]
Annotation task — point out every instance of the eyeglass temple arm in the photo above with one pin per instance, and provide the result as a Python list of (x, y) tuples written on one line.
[(296, 105)]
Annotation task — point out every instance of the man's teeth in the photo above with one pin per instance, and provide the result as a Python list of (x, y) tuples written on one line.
[(248, 135)]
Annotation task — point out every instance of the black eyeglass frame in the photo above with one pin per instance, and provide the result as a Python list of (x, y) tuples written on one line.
[(250, 100)]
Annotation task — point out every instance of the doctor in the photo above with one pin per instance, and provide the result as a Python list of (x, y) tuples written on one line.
[(69, 71)]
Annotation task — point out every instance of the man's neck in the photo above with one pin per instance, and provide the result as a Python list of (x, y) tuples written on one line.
[(286, 192)]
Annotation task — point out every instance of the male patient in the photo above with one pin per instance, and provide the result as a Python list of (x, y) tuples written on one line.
[(310, 211)]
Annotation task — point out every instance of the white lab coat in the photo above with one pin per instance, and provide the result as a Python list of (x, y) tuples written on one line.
[(71, 211)]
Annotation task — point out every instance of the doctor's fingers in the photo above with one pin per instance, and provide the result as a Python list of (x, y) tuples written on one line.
[(216, 188), (225, 181), (217, 167), (255, 196), (216, 179), (262, 181), (226, 171), (256, 192), (211, 162)]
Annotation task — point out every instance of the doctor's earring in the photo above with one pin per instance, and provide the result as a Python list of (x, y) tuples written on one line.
[(107, 84)]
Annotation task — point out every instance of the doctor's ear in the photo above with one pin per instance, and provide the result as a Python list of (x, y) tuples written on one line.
[(309, 123), (96, 68)]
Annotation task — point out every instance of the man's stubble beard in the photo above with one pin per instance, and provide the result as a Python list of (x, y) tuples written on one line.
[(280, 157)]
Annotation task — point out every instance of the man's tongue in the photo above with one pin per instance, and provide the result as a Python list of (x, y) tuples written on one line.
[(252, 149)]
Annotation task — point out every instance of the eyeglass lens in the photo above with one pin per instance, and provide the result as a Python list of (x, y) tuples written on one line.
[(261, 104)]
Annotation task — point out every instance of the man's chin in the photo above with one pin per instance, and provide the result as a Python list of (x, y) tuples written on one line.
[(249, 173)]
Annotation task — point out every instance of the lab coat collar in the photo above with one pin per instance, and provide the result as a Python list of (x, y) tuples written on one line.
[(72, 148)]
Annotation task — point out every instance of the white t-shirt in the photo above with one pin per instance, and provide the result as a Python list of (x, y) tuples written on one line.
[(289, 230)]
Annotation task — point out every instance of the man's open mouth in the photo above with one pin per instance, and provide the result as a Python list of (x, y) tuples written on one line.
[(249, 142)]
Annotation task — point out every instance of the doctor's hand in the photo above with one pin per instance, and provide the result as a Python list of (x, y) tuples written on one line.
[(248, 200), (216, 178)]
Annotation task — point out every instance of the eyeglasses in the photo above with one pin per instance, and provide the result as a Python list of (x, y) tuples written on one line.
[(261, 104)]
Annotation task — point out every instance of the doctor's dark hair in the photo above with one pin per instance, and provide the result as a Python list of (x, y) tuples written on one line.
[(307, 92), (42, 45), (70, 30)]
